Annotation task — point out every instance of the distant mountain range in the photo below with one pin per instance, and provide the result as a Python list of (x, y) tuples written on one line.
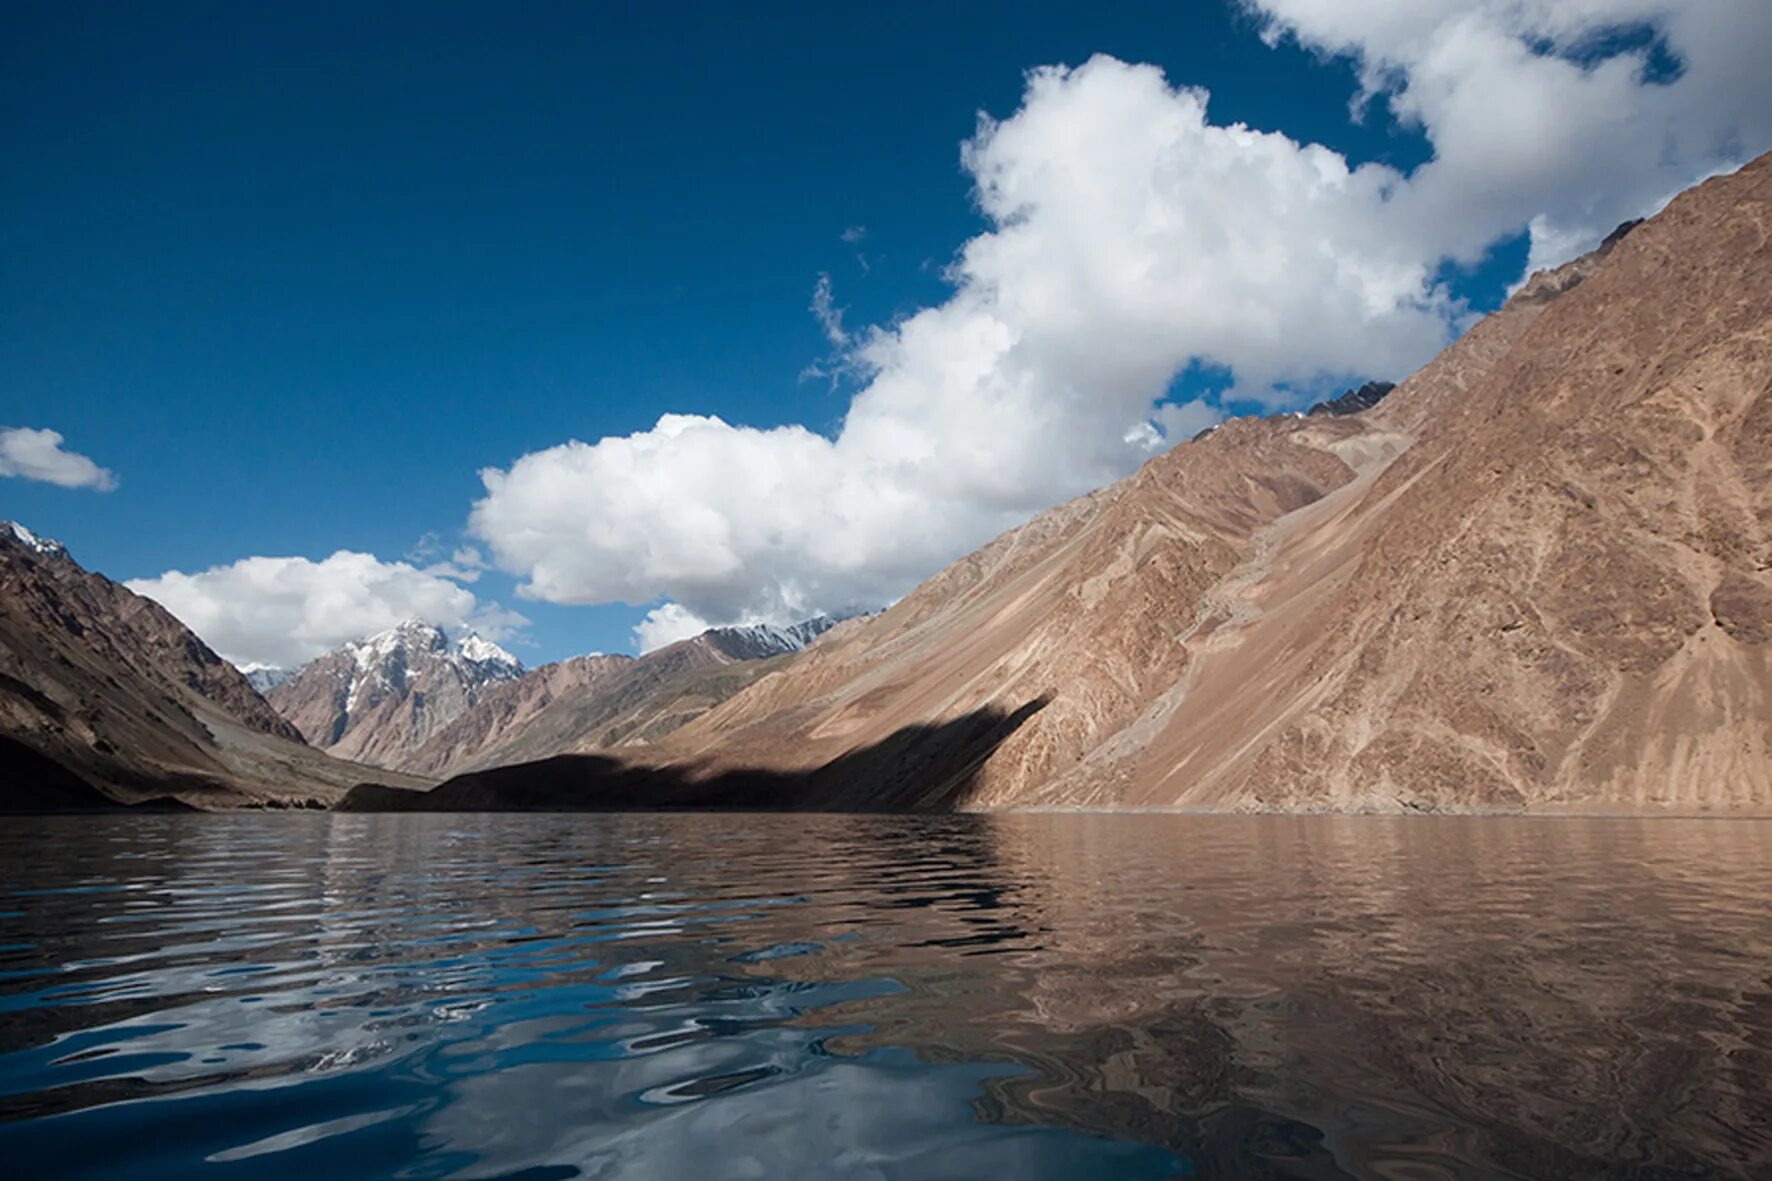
[(412, 698), (595, 702)]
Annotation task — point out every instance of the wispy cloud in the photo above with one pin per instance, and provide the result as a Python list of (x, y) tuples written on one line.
[(828, 314), (855, 236)]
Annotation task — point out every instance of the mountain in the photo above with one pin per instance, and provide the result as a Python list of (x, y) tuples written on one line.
[(591, 702), (378, 699), (761, 641), (264, 677), (43, 547), (1354, 401), (1536, 576), (106, 698)]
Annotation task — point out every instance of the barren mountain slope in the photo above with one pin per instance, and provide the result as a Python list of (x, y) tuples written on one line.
[(507, 710), (1532, 578), (593, 702), (1086, 606), (105, 697), (1557, 599)]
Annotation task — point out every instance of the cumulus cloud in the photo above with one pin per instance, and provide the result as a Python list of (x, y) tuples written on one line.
[(1550, 115), (666, 624), (286, 611), (32, 454), (1131, 236)]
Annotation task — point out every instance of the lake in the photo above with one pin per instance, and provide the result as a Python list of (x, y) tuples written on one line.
[(736, 996)]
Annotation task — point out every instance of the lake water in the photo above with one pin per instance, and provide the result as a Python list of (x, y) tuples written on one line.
[(706, 996)]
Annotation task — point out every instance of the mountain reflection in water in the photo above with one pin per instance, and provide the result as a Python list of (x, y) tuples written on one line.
[(791, 995)]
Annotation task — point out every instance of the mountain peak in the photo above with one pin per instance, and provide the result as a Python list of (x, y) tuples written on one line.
[(757, 641), (404, 632), (475, 647), (379, 697), (417, 635), (264, 677), (47, 547)]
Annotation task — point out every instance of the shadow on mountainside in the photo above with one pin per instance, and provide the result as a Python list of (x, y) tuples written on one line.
[(31, 781), (928, 767)]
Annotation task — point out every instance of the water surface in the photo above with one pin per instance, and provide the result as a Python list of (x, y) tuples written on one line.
[(828, 996)]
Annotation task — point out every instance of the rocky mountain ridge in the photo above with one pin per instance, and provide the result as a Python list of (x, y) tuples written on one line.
[(1354, 401), (106, 698)]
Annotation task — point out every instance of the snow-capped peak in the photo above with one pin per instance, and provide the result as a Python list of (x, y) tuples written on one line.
[(405, 636), (483, 651), (758, 640), (264, 677), (415, 635), (36, 544), (395, 654), (391, 689), (412, 656)]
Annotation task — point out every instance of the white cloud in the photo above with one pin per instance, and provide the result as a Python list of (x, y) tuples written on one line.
[(1533, 124), (666, 624), (286, 611), (32, 454), (1131, 236), (828, 314)]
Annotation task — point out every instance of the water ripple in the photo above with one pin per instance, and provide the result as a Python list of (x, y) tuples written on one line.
[(1042, 996)]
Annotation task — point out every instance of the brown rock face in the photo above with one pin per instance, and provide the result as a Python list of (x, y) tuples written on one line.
[(105, 698), (507, 711), (1538, 576)]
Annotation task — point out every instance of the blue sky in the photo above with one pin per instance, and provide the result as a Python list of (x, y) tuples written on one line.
[(296, 274)]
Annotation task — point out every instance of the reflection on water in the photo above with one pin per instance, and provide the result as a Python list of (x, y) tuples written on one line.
[(1027, 996)]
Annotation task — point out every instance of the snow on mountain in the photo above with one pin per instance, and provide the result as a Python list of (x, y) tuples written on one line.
[(479, 650), (382, 698), (31, 541), (264, 677), (378, 698), (394, 660), (759, 641)]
